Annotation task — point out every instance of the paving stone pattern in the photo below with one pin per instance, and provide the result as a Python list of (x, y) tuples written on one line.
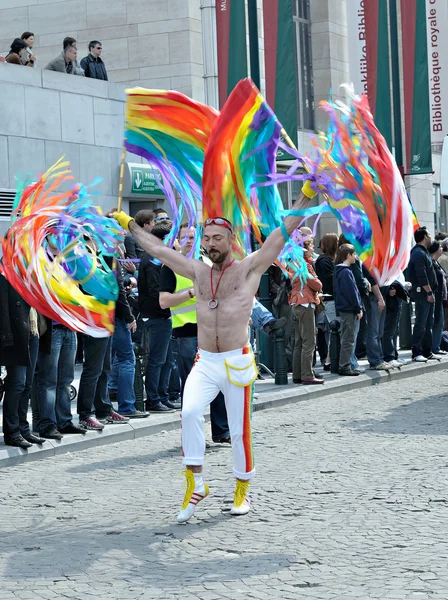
[(350, 502)]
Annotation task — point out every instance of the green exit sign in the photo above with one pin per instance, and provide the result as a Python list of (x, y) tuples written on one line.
[(144, 181)]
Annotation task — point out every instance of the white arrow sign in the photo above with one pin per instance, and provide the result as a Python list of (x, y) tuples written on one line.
[(138, 181)]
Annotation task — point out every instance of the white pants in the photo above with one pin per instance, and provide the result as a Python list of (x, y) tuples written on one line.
[(208, 377)]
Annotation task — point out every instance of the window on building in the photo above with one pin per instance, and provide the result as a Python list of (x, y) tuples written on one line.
[(440, 210), (304, 74)]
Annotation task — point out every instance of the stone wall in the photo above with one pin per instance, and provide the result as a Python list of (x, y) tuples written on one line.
[(45, 115), (151, 43)]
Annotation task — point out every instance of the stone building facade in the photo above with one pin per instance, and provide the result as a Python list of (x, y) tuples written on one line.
[(167, 44)]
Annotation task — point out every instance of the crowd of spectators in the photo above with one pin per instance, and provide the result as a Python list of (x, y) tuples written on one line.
[(40, 354), (22, 53)]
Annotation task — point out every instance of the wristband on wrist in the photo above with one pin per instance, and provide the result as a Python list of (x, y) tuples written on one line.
[(307, 190)]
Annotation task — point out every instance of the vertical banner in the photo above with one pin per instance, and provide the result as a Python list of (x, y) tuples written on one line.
[(281, 66), (377, 64), (437, 39), (416, 87), (357, 48), (232, 45)]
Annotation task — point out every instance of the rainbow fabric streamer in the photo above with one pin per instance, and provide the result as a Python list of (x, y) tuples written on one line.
[(54, 254), (365, 190), (171, 132), (213, 161)]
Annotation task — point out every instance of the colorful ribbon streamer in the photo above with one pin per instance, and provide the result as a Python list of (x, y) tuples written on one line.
[(54, 254)]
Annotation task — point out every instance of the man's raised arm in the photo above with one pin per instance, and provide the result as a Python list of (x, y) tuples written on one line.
[(155, 247), (262, 259)]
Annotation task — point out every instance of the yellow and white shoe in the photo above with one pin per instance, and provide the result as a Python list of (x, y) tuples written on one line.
[(241, 502), (194, 494)]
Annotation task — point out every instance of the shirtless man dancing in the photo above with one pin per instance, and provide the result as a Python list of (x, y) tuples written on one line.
[(224, 297)]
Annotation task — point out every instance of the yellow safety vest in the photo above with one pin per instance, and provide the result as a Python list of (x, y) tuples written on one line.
[(185, 312)]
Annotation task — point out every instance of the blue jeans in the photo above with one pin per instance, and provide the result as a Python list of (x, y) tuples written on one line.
[(422, 332), (17, 394), (160, 360), (93, 396), (186, 351), (375, 320), (124, 359), (260, 315), (390, 332), (353, 360), (56, 372), (437, 330)]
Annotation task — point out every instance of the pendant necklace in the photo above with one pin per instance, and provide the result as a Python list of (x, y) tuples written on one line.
[(213, 303)]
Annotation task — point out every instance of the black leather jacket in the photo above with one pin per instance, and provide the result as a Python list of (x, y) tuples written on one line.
[(94, 68)]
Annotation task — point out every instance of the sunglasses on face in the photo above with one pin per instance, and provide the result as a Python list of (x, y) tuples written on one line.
[(220, 222)]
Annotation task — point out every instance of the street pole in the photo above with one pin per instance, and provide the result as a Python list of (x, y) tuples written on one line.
[(395, 64), (254, 53)]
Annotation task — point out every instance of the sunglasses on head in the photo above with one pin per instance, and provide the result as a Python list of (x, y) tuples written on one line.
[(220, 222)]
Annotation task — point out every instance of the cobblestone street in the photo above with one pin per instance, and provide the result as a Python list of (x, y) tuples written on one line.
[(350, 501)]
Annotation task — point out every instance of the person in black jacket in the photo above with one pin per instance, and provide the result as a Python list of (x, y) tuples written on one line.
[(92, 64), (423, 278), (19, 344), (435, 250), (348, 305), (159, 329), (324, 267), (94, 406), (144, 218)]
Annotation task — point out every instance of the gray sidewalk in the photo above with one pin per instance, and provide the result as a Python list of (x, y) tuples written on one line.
[(269, 395)]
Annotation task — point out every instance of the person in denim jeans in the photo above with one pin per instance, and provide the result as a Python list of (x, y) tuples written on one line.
[(158, 326), (422, 276), (376, 315), (56, 372), (121, 379), (19, 345), (94, 406), (435, 251)]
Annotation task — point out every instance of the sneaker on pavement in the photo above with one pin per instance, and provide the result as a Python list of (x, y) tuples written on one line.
[(226, 440), (194, 493), (51, 433), (91, 423), (137, 414), (172, 405), (384, 366), (158, 408), (396, 363), (348, 372), (114, 418), (420, 358), (241, 502), (72, 428), (440, 352), (432, 356), (402, 361)]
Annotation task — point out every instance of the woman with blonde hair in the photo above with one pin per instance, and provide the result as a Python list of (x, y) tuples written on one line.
[(303, 300)]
